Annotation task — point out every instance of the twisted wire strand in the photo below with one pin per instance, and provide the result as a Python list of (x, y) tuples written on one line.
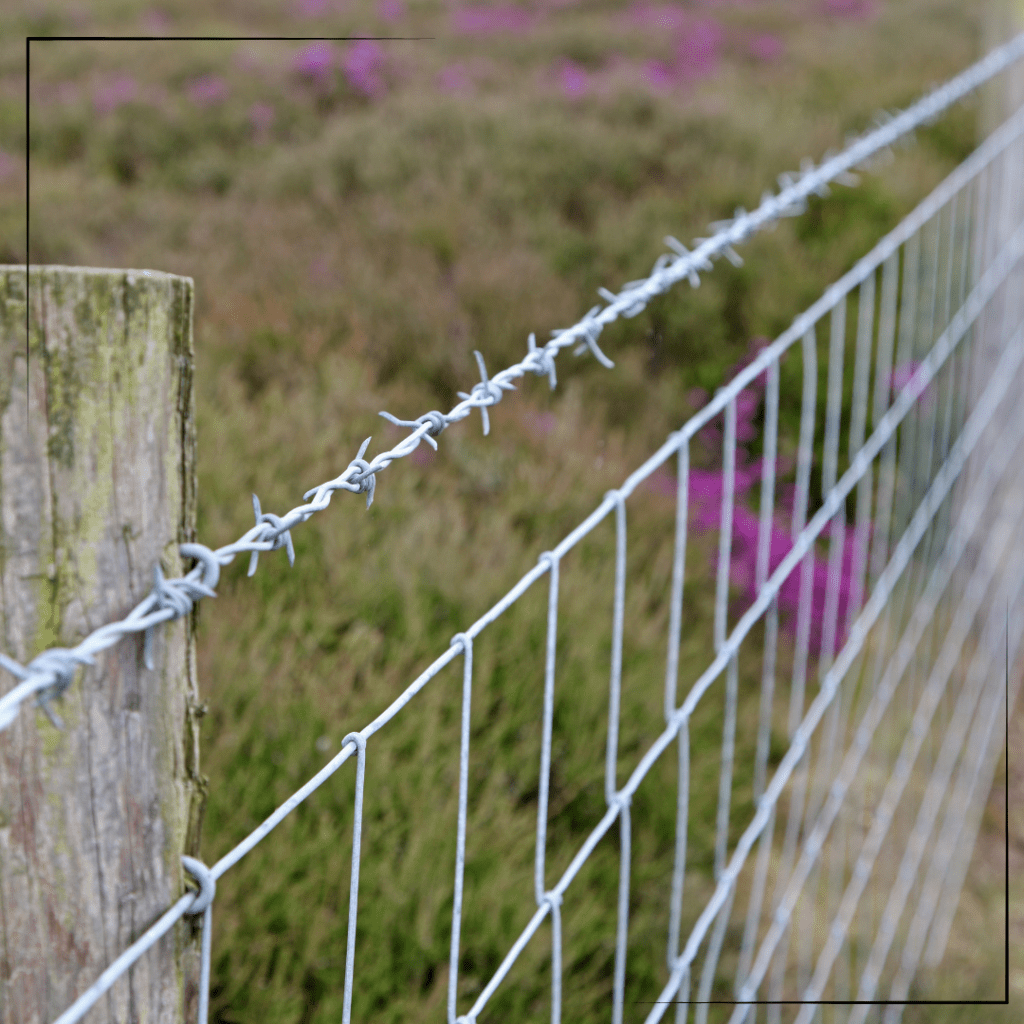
[(50, 673), (548, 900)]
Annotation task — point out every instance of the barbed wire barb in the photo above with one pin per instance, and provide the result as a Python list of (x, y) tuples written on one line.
[(487, 392), (360, 476), (540, 360), (958, 517)]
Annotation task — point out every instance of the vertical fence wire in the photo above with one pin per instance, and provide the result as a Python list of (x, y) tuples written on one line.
[(353, 890), (539, 887), (466, 644), (897, 743), (940, 579), (803, 632)]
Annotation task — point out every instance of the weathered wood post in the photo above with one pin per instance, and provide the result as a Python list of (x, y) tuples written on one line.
[(97, 484)]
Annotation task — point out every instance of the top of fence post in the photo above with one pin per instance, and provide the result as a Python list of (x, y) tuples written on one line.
[(97, 485)]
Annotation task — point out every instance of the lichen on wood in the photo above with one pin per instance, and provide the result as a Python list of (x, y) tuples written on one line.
[(97, 484)]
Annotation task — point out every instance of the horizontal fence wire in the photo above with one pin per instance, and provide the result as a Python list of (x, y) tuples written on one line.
[(50, 673), (899, 619)]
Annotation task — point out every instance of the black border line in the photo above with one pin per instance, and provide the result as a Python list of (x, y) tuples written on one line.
[(708, 1002), (1005, 1001), (1006, 801)]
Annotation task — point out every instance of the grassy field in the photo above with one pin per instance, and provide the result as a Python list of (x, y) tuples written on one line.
[(358, 218)]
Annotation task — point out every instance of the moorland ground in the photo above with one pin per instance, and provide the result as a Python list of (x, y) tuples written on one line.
[(359, 217)]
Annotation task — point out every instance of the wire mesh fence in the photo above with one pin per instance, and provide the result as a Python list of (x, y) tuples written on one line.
[(820, 777)]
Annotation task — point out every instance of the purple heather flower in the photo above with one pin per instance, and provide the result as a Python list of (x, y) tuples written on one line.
[(207, 90), (698, 49), (315, 61), (710, 435), (705, 486), (787, 496), (742, 570), (574, 80), (361, 65), (766, 47), (900, 377), (114, 93), (657, 75)]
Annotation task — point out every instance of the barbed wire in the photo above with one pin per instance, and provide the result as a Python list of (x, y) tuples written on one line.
[(50, 673)]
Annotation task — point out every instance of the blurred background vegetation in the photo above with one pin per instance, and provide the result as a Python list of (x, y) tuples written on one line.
[(358, 217)]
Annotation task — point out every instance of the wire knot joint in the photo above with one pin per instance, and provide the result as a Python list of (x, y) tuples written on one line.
[(207, 884), (282, 539)]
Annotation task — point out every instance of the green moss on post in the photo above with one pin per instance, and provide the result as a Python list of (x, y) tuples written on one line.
[(97, 484)]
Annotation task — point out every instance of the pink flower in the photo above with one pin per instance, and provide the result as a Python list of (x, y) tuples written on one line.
[(574, 80), (390, 10), (114, 93), (766, 47), (315, 61), (207, 91), (658, 75), (901, 376), (362, 64), (479, 21), (742, 574), (697, 52), (787, 497), (454, 79), (705, 493), (710, 435)]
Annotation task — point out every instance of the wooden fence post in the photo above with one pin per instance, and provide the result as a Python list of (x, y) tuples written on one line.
[(97, 485)]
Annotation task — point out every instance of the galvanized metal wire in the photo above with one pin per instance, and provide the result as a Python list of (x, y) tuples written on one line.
[(937, 540), (50, 673)]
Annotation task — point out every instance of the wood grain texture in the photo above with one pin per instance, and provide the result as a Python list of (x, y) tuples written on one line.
[(97, 484)]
